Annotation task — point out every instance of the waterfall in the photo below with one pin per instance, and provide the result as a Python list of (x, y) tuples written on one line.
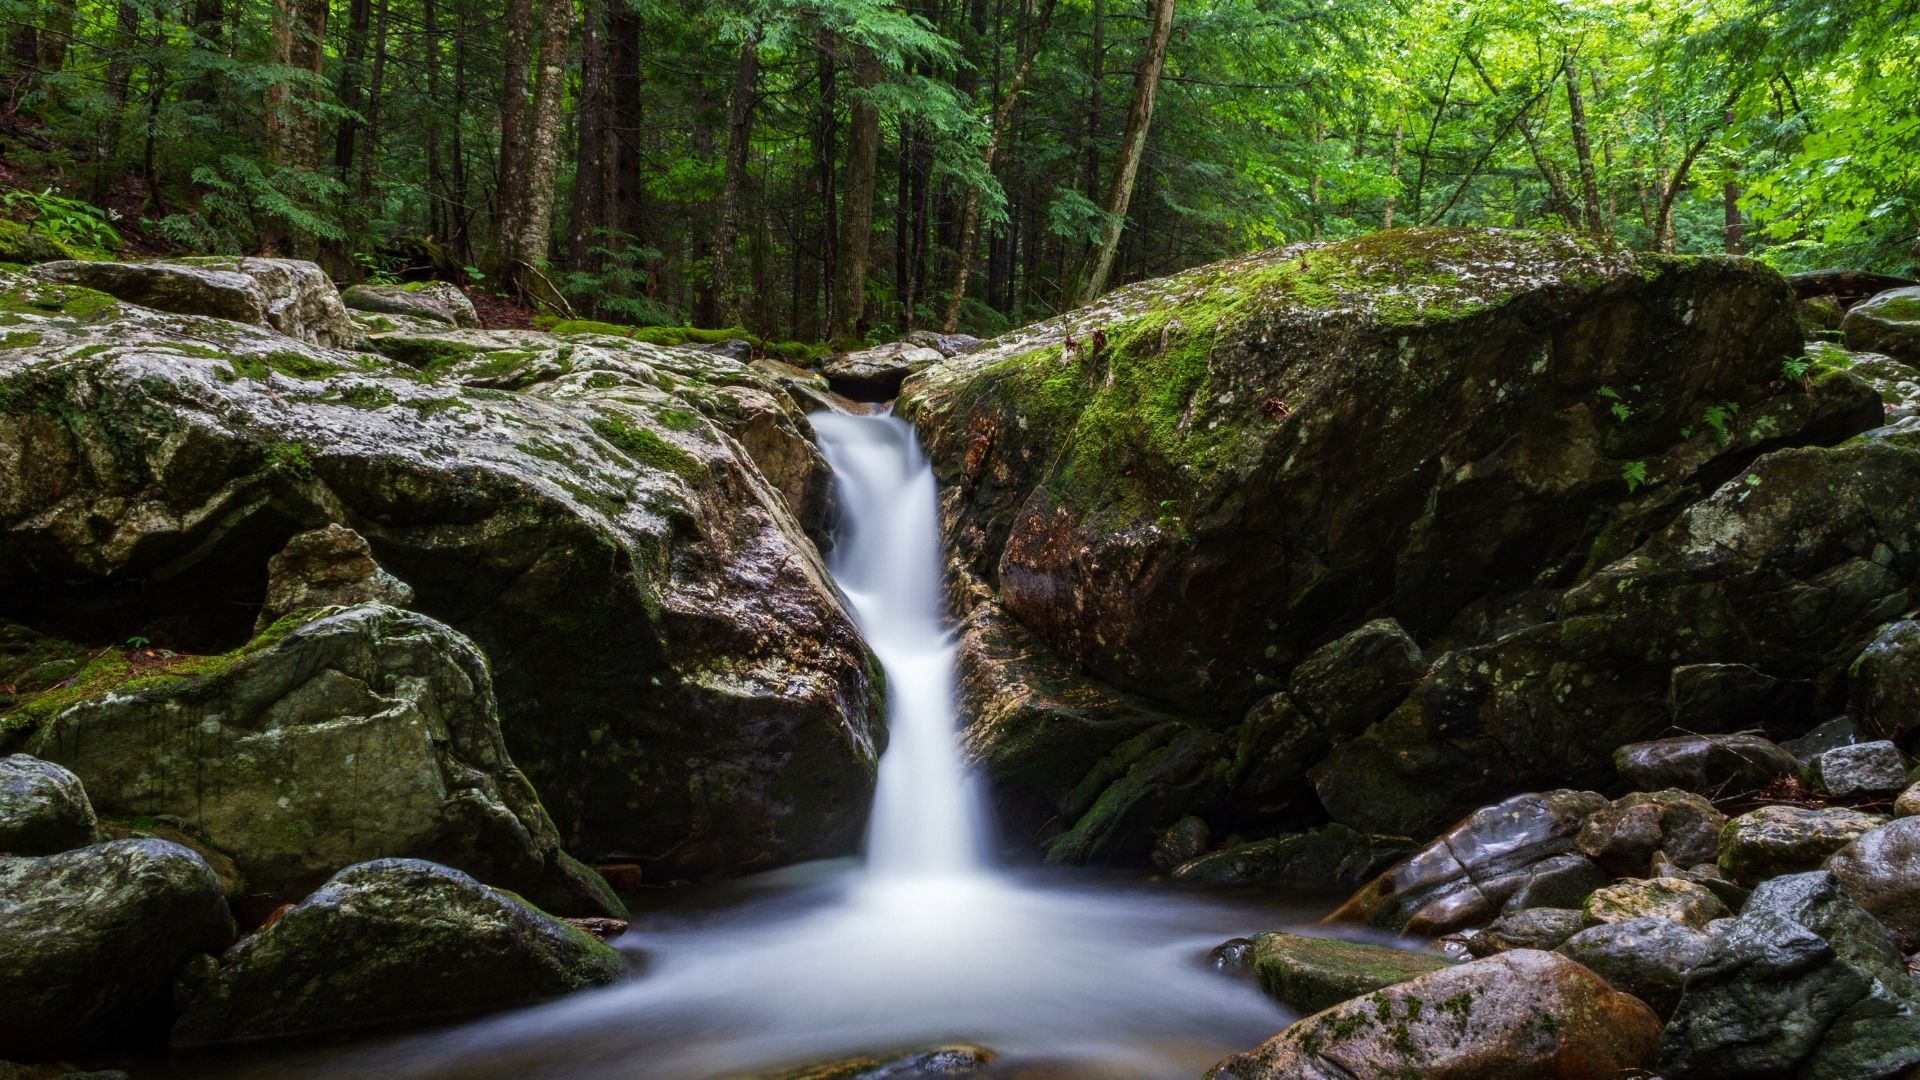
[(928, 818)]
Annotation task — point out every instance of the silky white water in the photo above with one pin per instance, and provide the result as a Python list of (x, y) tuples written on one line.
[(925, 943)]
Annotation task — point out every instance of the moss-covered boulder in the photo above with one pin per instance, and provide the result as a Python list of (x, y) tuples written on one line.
[(675, 671), (1684, 902), (387, 943), (43, 808), (1314, 973), (431, 301), (90, 941), (1886, 323), (368, 732), (289, 295), (1523, 1015), (1775, 840)]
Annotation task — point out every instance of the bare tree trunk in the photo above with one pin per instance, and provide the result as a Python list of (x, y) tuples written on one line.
[(543, 153), (1091, 278), (856, 204), (970, 216), (54, 37), (126, 31), (352, 81), (746, 83), (1582, 150), (209, 33), (509, 186), (1399, 139)]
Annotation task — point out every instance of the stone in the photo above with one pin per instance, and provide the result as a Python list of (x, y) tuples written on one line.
[(1329, 855), (1313, 973), (1908, 804), (1775, 840), (1684, 902), (1821, 315), (432, 301), (291, 296), (1649, 958), (876, 374), (43, 808), (1886, 323), (390, 942), (1883, 683), (1185, 840), (1465, 875), (93, 939), (1625, 837), (956, 1059), (368, 732), (1804, 983), (1734, 697), (327, 567), (1880, 870), (1533, 928), (1831, 735), (1356, 679), (1557, 881), (1719, 766), (1869, 770), (948, 345), (1520, 1015)]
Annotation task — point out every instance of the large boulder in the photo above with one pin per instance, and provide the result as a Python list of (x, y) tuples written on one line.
[(389, 942), (1649, 958), (1775, 840), (1804, 983), (676, 672), (43, 808), (1880, 870), (1521, 1015), (327, 567), (1331, 855), (289, 295), (92, 940), (1721, 766), (367, 733), (1883, 692), (431, 301), (1888, 322), (1314, 973), (1625, 837)]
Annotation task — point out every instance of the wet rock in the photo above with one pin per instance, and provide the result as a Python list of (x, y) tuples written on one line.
[(1525, 1015), (291, 296), (1880, 870), (1557, 881), (233, 883), (1624, 837), (1465, 875), (1233, 956), (1684, 902), (1648, 958), (1329, 855), (433, 302), (92, 940), (1714, 765), (389, 942), (957, 1059), (1356, 679), (876, 374), (1908, 804), (1831, 735), (1775, 840), (1883, 684), (1186, 840), (1804, 983), (1313, 973), (369, 732), (1534, 928), (733, 349), (948, 345), (43, 808), (327, 567), (1887, 323), (1868, 769)]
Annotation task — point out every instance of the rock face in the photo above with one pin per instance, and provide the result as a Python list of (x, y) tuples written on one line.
[(1887, 323), (675, 671), (43, 808), (1330, 855), (289, 295), (367, 733), (1314, 973), (1526, 1015), (433, 302), (386, 942), (329, 567), (92, 940), (1715, 765)]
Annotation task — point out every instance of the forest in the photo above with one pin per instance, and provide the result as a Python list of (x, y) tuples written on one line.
[(850, 170)]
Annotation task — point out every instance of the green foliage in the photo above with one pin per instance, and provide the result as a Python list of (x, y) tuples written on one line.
[(68, 222), (1635, 475)]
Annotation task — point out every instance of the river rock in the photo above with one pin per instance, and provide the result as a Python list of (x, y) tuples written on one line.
[(93, 938), (1775, 840), (432, 301), (1557, 881), (291, 296), (43, 808), (948, 345), (369, 732), (390, 942), (1313, 973), (1649, 958), (1329, 855), (679, 677), (1804, 983), (327, 567), (1525, 1015), (1625, 837), (1883, 684), (1880, 870), (1886, 323), (1676, 900), (1869, 769), (1356, 679), (1185, 840), (1716, 765), (1533, 928), (876, 374), (1831, 735), (1465, 875), (1908, 804)]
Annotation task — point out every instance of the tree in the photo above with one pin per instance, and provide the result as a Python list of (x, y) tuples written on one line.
[(1090, 280)]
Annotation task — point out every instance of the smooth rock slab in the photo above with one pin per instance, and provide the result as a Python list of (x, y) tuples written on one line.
[(876, 374), (43, 808), (390, 942), (1775, 840), (1313, 973), (1521, 1015), (435, 301), (292, 296), (1886, 323), (90, 941)]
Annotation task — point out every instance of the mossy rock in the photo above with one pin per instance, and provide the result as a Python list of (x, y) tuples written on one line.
[(1314, 973)]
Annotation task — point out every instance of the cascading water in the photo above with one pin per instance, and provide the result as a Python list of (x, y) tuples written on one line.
[(922, 945)]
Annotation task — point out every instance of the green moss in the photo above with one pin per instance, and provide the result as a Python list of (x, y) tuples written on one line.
[(19, 339), (1898, 308), (679, 419), (287, 362), (427, 352), (794, 352), (367, 396), (72, 301), (288, 457), (647, 448)]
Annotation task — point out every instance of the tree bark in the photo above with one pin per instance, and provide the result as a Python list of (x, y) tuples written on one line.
[(1582, 150), (746, 84), (1399, 138), (376, 84), (586, 217), (543, 153), (856, 204), (352, 81), (209, 33), (509, 187), (1091, 279)]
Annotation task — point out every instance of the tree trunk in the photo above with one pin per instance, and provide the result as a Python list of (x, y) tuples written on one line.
[(54, 37), (376, 83), (1733, 230), (1091, 279), (126, 32), (543, 154), (509, 187), (856, 205), (1582, 150), (1399, 139), (352, 79), (746, 83), (209, 31), (586, 217)]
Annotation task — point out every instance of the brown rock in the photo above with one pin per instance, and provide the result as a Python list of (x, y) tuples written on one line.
[(327, 567)]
